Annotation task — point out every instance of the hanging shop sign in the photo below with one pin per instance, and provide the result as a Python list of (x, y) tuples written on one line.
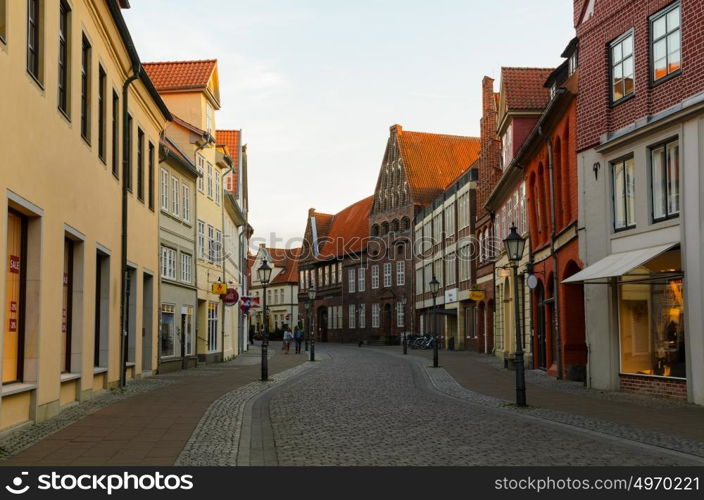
[(231, 297), (219, 288)]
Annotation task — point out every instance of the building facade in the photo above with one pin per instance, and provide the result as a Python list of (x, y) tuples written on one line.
[(64, 71), (282, 290), (639, 123)]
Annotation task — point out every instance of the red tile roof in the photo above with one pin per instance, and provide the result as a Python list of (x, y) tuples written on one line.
[(180, 75), (231, 140), (287, 258), (349, 230), (523, 88), (434, 161)]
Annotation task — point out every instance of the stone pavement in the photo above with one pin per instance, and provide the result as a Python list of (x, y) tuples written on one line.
[(364, 407), (486, 375), (151, 428)]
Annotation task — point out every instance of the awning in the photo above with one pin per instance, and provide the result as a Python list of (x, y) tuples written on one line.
[(618, 264)]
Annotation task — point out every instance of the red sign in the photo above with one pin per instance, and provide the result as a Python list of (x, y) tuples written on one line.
[(14, 264), (231, 297), (13, 325), (13, 306)]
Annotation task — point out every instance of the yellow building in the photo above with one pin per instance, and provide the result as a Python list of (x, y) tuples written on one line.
[(191, 90), (64, 65)]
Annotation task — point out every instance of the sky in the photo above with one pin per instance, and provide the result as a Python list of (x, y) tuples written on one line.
[(314, 85)]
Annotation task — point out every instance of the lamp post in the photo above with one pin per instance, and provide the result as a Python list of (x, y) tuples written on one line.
[(404, 301), (311, 296), (514, 245), (264, 272), (308, 321), (434, 288)]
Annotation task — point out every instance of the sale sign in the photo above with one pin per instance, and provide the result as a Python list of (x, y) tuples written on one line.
[(13, 306), (14, 264), (13, 325)]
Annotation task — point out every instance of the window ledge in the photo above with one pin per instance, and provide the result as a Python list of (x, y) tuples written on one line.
[(66, 377), (130, 364), (16, 388), (99, 369)]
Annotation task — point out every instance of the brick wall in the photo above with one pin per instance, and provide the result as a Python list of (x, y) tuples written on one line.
[(654, 386), (611, 19)]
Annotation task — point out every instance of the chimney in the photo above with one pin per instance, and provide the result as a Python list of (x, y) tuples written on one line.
[(396, 129), (311, 212)]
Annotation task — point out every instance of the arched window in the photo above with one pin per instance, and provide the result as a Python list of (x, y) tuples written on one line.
[(395, 226), (375, 230), (558, 169), (405, 224), (384, 228)]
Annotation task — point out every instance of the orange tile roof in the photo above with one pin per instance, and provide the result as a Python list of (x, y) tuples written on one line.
[(231, 140), (434, 161), (180, 75), (349, 230), (288, 259), (523, 87)]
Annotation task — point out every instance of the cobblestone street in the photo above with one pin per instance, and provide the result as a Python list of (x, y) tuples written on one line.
[(364, 407)]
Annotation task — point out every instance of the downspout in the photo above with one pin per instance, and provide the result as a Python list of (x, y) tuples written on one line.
[(124, 309), (222, 255), (194, 328), (556, 302)]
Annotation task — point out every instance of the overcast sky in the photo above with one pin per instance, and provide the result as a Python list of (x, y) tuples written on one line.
[(315, 84)]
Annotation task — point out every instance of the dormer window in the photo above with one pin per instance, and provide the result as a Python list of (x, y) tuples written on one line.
[(209, 118), (572, 63), (507, 147)]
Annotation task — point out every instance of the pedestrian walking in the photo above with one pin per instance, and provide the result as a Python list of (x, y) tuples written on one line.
[(288, 337), (298, 338)]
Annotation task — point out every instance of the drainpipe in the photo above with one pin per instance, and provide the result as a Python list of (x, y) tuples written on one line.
[(124, 309), (553, 231), (222, 254)]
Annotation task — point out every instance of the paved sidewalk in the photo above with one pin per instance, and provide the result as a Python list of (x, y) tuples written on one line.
[(486, 375), (151, 429)]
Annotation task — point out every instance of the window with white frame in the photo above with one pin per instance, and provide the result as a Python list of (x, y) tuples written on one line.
[(419, 281), (450, 268), (186, 268), (463, 211), (351, 316), (438, 270), (400, 273), (375, 276), (301, 280), (400, 315), (362, 315), (622, 67), (326, 275), (211, 243), (168, 263), (210, 181), (465, 267), (175, 196), (450, 221), (168, 330), (186, 202), (361, 279), (388, 280), (375, 315), (212, 326), (352, 278), (624, 186), (665, 42), (218, 246), (218, 188), (665, 171), (437, 229), (201, 239), (428, 273), (333, 277), (164, 189), (201, 171)]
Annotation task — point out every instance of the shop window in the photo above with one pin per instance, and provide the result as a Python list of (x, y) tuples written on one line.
[(13, 357), (168, 330)]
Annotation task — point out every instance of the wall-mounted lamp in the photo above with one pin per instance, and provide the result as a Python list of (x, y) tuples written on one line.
[(596, 167)]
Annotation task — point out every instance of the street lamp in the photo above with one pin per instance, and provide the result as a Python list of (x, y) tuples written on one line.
[(514, 245), (404, 300), (434, 288), (264, 276), (311, 296), (308, 320)]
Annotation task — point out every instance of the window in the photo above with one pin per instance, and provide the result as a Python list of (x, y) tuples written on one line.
[(140, 165), (188, 330), (463, 211), (419, 281), (115, 134), (388, 279), (102, 77), (450, 269), (326, 274), (212, 327), (333, 274), (210, 181), (175, 195), (128, 172), (352, 278), (362, 315), (13, 357), (437, 229), (622, 74), (375, 315), (218, 188), (352, 313), (450, 221), (151, 176), (400, 273), (218, 246), (665, 42), (201, 239), (624, 194), (375, 277), (34, 48), (168, 263), (186, 195), (168, 330), (211, 243), (665, 171), (465, 262), (85, 88), (200, 162), (64, 69), (186, 268), (67, 312), (361, 279), (438, 270), (209, 118), (164, 189), (507, 147), (400, 315)]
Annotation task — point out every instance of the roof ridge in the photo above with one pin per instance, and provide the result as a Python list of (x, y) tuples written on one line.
[(182, 61), (528, 67), (440, 135)]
